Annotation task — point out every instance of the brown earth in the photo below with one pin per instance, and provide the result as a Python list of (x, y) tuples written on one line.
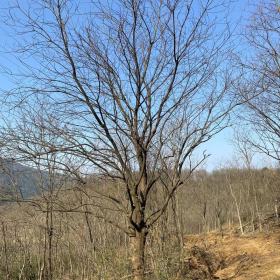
[(254, 256)]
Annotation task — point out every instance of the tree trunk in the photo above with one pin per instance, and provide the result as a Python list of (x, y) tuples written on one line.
[(178, 225), (4, 229), (138, 243), (237, 209)]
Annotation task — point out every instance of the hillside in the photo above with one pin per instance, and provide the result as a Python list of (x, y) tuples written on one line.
[(227, 256), (20, 181), (253, 256), (77, 232)]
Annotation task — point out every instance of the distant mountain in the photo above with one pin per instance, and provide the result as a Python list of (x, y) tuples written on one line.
[(18, 180)]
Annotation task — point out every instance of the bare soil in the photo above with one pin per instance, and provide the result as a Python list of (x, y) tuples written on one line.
[(254, 256)]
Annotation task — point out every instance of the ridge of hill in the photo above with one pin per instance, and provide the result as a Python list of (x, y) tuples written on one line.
[(18, 179)]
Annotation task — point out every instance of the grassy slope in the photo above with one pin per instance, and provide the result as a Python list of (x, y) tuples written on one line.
[(254, 256)]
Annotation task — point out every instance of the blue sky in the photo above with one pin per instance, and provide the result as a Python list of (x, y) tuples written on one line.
[(220, 147)]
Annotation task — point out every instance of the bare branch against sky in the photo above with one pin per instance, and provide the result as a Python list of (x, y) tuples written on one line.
[(127, 90)]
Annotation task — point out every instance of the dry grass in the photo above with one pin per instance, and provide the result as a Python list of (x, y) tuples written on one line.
[(207, 256), (74, 257)]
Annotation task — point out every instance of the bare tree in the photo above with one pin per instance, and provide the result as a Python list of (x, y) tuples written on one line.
[(261, 79), (135, 88), (243, 148), (28, 140)]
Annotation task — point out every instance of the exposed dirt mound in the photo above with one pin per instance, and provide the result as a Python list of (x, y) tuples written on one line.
[(200, 264), (234, 257)]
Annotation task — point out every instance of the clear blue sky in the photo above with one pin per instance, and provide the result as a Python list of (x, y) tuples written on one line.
[(220, 147)]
